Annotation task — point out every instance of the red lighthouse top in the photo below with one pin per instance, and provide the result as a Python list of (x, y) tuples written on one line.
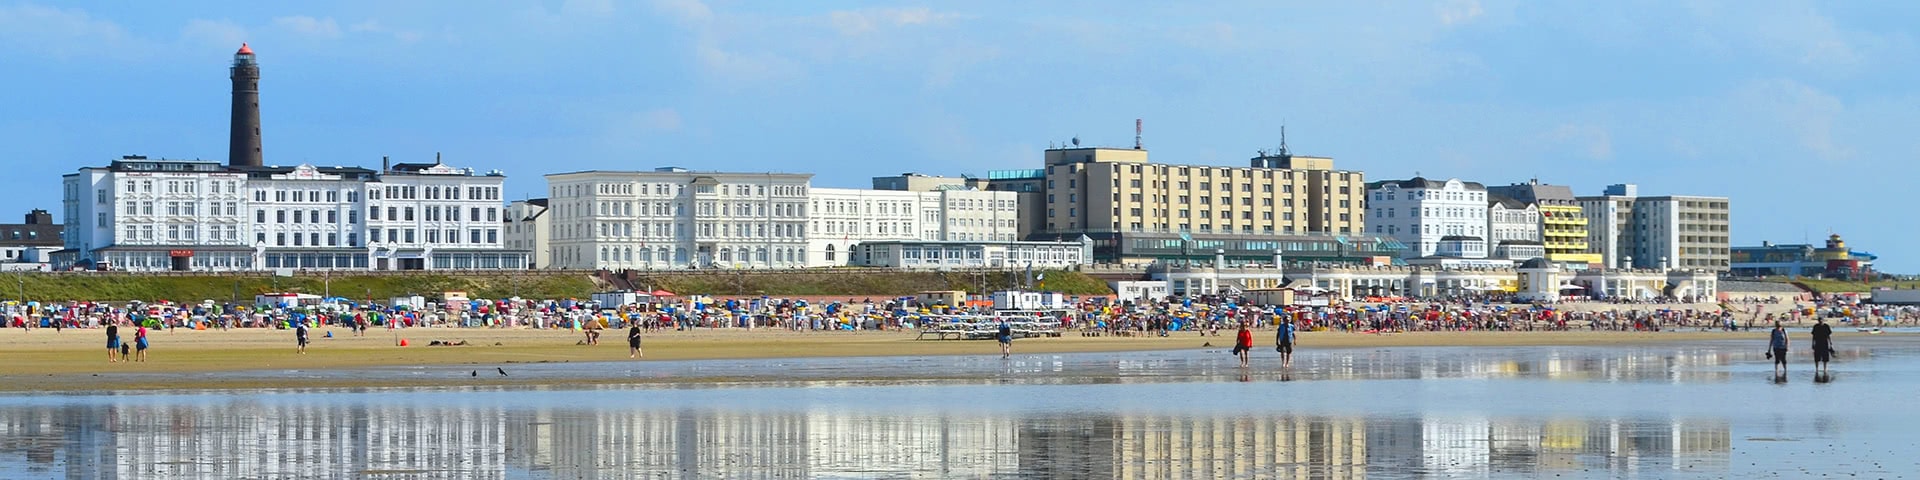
[(244, 50)]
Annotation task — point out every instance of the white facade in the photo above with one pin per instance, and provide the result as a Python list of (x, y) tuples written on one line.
[(839, 218), (976, 215), (527, 228), (1421, 213), (671, 218), (308, 217), (945, 255), (436, 217), (1513, 222), (1631, 231), (141, 214), (151, 215), (842, 218)]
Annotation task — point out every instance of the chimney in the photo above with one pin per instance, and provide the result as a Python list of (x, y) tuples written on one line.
[(385, 164)]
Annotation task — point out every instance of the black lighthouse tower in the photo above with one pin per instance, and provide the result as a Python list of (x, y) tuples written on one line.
[(244, 147)]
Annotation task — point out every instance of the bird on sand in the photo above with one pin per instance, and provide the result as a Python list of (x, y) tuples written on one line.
[(503, 372)]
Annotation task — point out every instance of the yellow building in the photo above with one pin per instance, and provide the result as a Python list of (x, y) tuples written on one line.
[(1563, 224)]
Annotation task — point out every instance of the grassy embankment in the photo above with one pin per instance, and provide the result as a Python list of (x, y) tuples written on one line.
[(844, 282), (193, 288)]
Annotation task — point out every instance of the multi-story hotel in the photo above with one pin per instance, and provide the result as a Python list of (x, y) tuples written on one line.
[(1629, 230), (1432, 217), (915, 209), (1513, 229), (307, 216), (190, 215), (677, 218), (1136, 211), (424, 216), (1563, 223), (839, 218), (152, 214)]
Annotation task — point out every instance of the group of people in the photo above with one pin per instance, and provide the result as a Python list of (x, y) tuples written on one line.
[(120, 350), (1283, 340), (1779, 343)]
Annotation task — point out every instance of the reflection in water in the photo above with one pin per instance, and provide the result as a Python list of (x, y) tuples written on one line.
[(333, 439)]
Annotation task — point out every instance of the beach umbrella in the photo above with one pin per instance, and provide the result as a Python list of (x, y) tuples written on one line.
[(1569, 286), (662, 293)]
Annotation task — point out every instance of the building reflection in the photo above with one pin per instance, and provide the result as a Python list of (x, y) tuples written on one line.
[(131, 440)]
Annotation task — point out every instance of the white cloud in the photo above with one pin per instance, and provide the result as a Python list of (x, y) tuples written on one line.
[(58, 32), (868, 20), (1455, 12), (323, 28)]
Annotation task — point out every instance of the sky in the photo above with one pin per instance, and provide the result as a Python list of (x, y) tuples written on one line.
[(1800, 112)]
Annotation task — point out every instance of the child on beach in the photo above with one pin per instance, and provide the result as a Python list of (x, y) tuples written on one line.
[(126, 349)]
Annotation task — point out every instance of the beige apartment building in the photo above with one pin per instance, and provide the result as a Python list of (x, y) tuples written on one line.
[(1138, 211)]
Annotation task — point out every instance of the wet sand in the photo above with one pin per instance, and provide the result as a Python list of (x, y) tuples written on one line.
[(1656, 410), (70, 360)]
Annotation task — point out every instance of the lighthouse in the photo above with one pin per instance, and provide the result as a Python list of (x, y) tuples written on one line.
[(243, 148)]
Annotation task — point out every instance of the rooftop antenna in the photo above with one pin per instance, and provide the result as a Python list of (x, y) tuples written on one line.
[(1136, 134), (1283, 141), (1076, 140)]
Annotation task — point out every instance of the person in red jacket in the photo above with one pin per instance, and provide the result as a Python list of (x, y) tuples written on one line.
[(1243, 345)]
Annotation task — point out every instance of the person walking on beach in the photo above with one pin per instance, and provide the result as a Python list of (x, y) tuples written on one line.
[(300, 336), (1822, 345), (1006, 339), (113, 342), (1777, 344), (633, 341), (140, 344), (1243, 344), (1283, 343)]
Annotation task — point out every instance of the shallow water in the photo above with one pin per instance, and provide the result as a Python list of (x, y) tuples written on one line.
[(1660, 411)]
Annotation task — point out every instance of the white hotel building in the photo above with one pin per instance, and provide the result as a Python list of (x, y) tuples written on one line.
[(435, 217), (1446, 218), (143, 214), (673, 218), (843, 218)]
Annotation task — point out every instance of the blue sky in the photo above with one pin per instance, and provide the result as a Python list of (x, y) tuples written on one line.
[(1799, 111)]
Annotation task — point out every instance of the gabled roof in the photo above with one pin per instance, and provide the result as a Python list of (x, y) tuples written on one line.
[(1505, 201)]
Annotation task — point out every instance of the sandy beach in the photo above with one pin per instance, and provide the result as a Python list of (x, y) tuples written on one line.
[(69, 360)]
